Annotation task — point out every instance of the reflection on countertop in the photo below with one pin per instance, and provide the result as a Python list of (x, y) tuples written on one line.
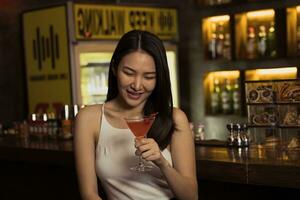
[(252, 155), (38, 144)]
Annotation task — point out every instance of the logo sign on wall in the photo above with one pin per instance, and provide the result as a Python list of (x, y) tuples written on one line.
[(47, 61), (111, 22)]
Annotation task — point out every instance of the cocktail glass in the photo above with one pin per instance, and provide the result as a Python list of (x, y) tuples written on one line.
[(140, 126)]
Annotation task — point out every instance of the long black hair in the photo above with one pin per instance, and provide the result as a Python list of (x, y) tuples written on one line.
[(160, 99)]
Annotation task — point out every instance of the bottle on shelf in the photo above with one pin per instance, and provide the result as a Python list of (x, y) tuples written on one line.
[(226, 97), (251, 43), (53, 126), (212, 44), (220, 40), (236, 97), (262, 41), (227, 47), (271, 40), (66, 124), (44, 125), (215, 98), (32, 124)]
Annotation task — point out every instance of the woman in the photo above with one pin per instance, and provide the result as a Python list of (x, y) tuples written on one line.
[(139, 84)]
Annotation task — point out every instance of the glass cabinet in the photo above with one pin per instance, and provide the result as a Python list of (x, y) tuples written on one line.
[(216, 37), (273, 109), (255, 34)]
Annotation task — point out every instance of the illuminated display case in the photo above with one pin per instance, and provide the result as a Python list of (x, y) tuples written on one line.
[(273, 108), (263, 46), (222, 92), (293, 31), (217, 38), (255, 34)]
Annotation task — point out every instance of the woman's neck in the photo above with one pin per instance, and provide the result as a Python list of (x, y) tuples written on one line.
[(119, 106)]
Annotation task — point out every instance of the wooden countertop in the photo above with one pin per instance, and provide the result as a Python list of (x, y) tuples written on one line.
[(36, 151), (258, 166)]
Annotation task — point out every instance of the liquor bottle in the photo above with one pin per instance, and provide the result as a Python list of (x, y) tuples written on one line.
[(52, 126), (220, 40), (236, 97), (251, 43), (226, 97), (227, 47), (215, 98), (39, 126), (44, 124), (262, 41), (212, 44), (271, 40), (32, 125), (66, 123)]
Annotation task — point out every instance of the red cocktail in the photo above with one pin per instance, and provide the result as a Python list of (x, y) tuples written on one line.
[(140, 126)]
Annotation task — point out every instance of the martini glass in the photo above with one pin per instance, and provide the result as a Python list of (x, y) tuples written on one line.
[(140, 126)]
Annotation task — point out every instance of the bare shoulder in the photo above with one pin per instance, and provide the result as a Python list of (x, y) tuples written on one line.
[(180, 120), (89, 116), (90, 111), (179, 115)]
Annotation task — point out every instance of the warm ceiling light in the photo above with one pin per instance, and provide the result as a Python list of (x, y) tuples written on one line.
[(298, 8), (220, 18), (261, 13)]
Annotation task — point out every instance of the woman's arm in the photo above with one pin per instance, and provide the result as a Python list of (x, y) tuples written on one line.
[(84, 149), (182, 176)]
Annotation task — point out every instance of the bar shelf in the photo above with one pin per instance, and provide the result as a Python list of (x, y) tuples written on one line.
[(273, 119)]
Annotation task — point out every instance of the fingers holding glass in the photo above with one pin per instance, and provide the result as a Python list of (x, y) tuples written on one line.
[(140, 126)]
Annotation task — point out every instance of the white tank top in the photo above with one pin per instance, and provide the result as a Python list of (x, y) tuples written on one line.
[(115, 155)]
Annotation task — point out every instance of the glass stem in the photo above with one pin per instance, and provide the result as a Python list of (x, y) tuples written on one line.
[(141, 164)]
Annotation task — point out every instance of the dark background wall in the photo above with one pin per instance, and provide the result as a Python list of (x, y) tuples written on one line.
[(13, 90)]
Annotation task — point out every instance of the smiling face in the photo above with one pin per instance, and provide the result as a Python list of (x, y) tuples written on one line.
[(136, 75)]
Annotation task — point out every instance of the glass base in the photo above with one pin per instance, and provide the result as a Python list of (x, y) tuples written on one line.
[(142, 168)]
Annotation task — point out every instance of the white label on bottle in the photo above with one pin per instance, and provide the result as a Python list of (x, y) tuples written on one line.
[(236, 106), (236, 96), (225, 97), (262, 46)]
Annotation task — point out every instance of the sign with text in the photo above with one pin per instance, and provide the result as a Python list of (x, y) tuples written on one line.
[(47, 60), (111, 22)]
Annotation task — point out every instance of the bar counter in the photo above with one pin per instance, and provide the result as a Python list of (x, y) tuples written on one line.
[(256, 166), (242, 166)]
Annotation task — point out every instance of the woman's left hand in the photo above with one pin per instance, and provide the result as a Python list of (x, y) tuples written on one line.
[(149, 150)]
